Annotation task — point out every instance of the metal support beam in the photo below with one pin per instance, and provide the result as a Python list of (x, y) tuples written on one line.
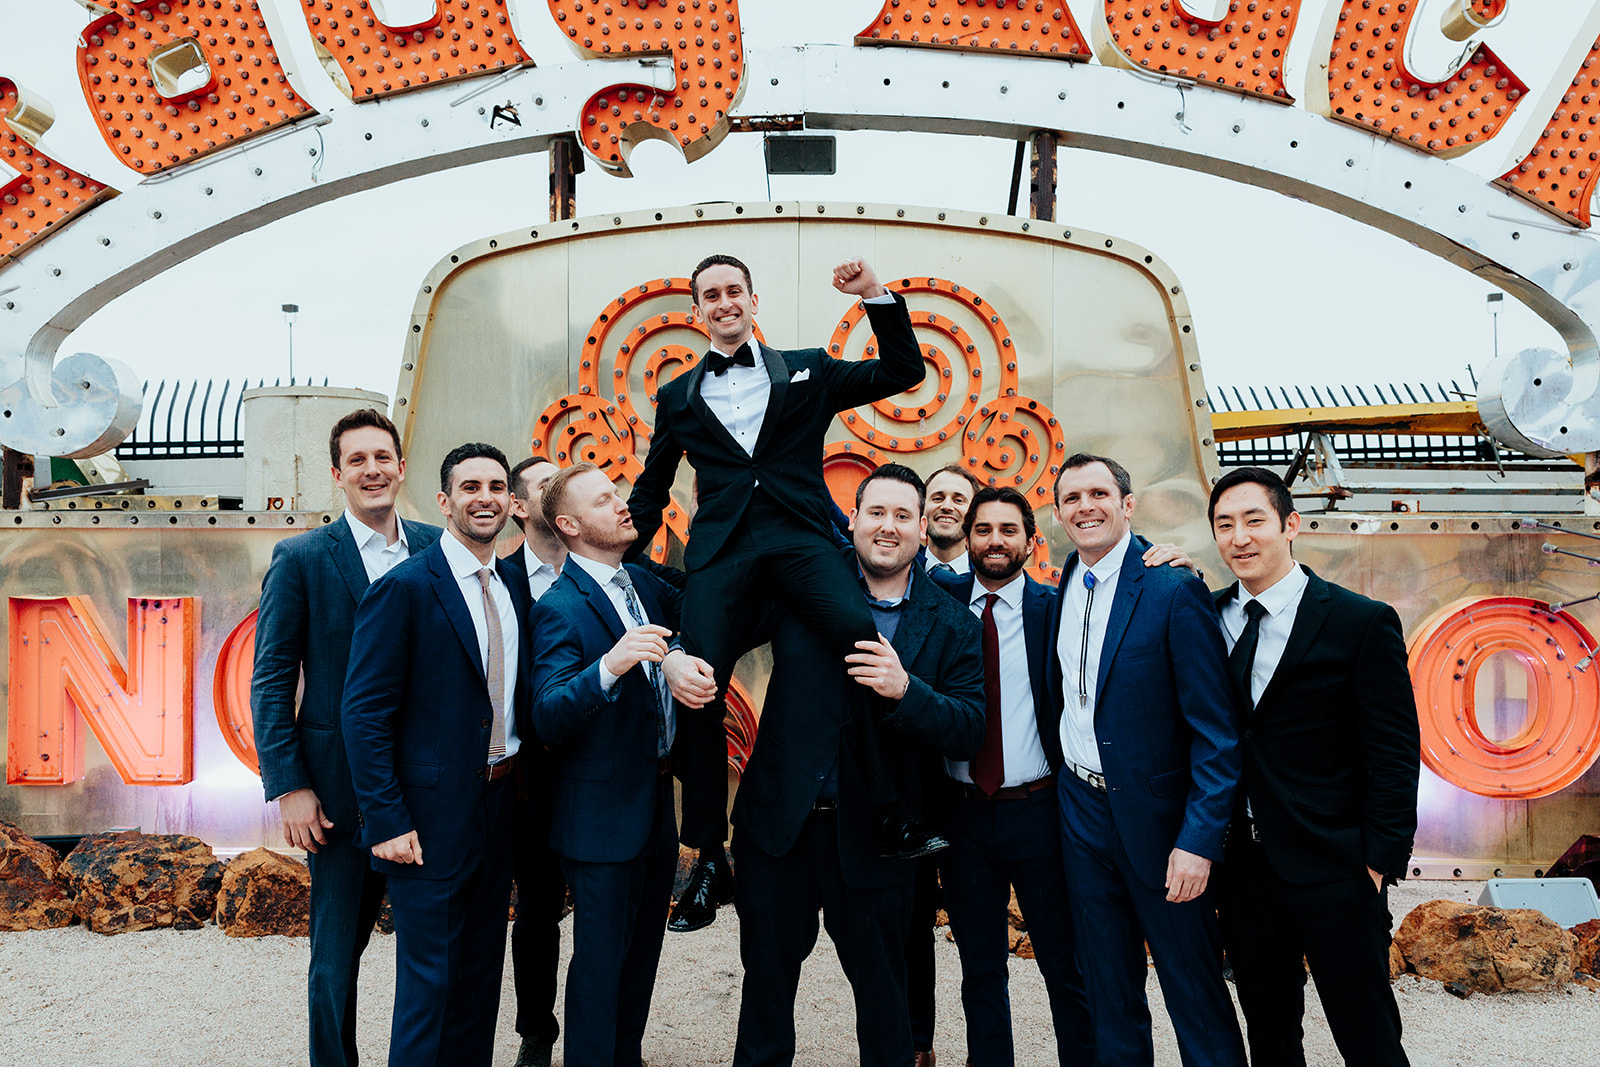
[(566, 163), (1042, 194)]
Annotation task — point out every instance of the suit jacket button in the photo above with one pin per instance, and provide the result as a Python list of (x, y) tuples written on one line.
[(479, 772), (1248, 734), (485, 724), (821, 777)]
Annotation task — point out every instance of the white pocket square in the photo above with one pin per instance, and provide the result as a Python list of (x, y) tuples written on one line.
[(801, 376)]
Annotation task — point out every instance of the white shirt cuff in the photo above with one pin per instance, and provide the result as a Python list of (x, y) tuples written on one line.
[(608, 681), (886, 298)]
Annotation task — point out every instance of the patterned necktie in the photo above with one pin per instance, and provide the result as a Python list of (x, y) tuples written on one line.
[(941, 568), (988, 768), (652, 670), (1242, 660), (494, 669), (1089, 582)]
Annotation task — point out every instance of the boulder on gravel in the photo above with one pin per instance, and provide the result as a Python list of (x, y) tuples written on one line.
[(133, 881), (1485, 949), (1587, 959), (263, 894), (30, 896)]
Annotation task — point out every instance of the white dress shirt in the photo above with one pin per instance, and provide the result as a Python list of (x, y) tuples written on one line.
[(1019, 728), (962, 564), (465, 566), (378, 556), (605, 576), (541, 575), (1282, 601), (1078, 741)]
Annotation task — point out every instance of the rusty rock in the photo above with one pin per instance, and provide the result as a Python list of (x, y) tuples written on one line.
[(1588, 954), (1024, 947), (30, 897), (133, 881), (1487, 950), (1397, 961), (264, 893)]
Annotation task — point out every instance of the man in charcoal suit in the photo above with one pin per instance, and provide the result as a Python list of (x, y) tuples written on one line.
[(308, 606)]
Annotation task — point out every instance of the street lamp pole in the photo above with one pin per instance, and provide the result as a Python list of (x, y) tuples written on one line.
[(289, 313), (1494, 300)]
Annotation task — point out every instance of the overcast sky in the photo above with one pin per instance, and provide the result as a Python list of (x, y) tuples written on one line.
[(1281, 292)]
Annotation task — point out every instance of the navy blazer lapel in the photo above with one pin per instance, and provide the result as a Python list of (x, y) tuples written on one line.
[(778, 372), (694, 379), (1315, 605), (1035, 631), (916, 620), (347, 558), (1128, 589), (448, 590), (598, 600)]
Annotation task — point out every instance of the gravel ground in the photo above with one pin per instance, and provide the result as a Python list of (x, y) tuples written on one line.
[(162, 997)]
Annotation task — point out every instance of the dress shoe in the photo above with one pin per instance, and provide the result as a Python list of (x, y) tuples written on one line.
[(902, 836), (710, 884), (924, 1059), (535, 1053)]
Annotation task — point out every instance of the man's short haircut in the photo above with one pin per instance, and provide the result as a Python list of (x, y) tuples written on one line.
[(960, 471), (355, 420), (1277, 492), (1079, 460), (462, 453), (1002, 494), (717, 259), (895, 472), (516, 475), (555, 493)]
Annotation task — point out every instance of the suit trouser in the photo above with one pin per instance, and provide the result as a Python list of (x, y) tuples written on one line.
[(1115, 915), (346, 894), (619, 918), (919, 953), (1340, 929), (724, 603), (450, 942), (994, 845), (536, 933), (778, 899)]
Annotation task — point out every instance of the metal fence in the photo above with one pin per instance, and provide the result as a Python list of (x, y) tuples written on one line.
[(194, 420)]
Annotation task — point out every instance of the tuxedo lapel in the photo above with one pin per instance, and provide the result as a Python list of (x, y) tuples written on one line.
[(448, 590), (693, 382), (778, 373), (1315, 604), (347, 558), (1129, 584)]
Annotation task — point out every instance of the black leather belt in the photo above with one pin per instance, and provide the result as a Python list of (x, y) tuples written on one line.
[(1010, 792), (825, 804)]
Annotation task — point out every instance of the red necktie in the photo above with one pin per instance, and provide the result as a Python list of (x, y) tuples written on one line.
[(988, 768)]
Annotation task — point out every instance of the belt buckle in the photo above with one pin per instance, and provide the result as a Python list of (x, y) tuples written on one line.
[(1096, 779)]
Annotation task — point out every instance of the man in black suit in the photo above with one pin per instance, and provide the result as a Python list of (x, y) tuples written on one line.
[(1327, 811), (804, 825), (436, 709), (751, 420), (541, 889), (603, 700), (308, 606)]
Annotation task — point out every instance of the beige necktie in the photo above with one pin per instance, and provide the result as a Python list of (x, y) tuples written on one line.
[(494, 669)]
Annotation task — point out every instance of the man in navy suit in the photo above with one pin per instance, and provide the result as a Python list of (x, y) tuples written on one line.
[(804, 826), (751, 421), (1140, 718), (603, 701), (308, 607), (1327, 809), (436, 706)]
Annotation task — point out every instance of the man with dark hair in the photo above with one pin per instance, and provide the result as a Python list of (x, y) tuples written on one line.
[(541, 889), (436, 708), (603, 698), (307, 613), (1327, 807), (1140, 720), (950, 492), (804, 825), (751, 420)]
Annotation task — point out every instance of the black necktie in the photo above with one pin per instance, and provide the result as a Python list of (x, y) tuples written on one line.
[(1243, 657), (719, 363)]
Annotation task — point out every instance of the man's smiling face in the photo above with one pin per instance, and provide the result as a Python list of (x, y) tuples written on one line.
[(370, 472), (726, 305), (1091, 508)]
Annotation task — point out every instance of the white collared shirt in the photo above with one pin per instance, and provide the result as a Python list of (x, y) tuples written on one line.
[(605, 575), (378, 556), (1019, 727), (465, 567), (962, 564), (541, 575), (1282, 601), (1078, 741)]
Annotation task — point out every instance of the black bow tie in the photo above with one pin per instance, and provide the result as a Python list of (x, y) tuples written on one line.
[(719, 363)]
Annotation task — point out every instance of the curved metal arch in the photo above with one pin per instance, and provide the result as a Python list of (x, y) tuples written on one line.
[(1437, 205)]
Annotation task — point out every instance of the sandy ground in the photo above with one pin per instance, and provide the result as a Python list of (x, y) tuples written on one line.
[(162, 997)]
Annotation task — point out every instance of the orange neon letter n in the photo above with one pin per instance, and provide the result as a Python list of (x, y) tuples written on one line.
[(61, 664)]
